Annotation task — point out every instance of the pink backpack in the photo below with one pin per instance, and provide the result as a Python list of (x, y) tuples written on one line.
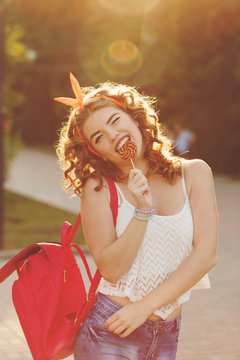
[(49, 296)]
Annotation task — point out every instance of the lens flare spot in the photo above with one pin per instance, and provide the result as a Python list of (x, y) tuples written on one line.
[(123, 51), (121, 58)]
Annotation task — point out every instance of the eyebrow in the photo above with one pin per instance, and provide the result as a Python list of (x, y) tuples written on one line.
[(108, 121)]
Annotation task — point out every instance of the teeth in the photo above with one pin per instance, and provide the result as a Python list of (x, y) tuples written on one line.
[(122, 142)]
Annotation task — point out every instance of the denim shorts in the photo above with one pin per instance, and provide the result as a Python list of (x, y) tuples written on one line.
[(153, 340)]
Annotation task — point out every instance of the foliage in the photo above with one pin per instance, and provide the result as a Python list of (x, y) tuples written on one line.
[(206, 87), (191, 62), (15, 54), (27, 222)]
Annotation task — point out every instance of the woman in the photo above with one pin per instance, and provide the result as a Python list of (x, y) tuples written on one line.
[(165, 239)]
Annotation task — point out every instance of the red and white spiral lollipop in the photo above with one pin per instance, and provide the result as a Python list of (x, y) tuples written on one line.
[(128, 151)]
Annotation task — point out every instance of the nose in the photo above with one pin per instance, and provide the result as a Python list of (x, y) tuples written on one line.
[(113, 134)]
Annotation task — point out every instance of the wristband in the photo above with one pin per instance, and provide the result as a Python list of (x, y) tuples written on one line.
[(144, 211), (144, 218)]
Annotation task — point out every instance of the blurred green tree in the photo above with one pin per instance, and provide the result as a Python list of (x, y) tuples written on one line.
[(201, 86), (2, 68), (191, 58), (50, 34)]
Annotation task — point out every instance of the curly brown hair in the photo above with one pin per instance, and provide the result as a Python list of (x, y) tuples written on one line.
[(79, 163)]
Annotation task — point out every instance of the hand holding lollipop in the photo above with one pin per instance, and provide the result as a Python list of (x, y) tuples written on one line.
[(128, 151)]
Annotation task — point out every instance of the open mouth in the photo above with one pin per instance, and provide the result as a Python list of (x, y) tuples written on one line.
[(122, 142)]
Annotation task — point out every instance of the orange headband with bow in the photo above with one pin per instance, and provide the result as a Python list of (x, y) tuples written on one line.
[(78, 102)]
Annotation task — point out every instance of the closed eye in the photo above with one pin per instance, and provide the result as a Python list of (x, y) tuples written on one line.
[(98, 138), (116, 119)]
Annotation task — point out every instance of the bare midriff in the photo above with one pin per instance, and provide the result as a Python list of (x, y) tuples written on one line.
[(125, 300)]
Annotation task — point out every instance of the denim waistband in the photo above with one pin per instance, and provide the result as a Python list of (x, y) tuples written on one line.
[(105, 307)]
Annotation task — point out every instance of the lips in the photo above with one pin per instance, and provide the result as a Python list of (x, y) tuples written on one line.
[(121, 142)]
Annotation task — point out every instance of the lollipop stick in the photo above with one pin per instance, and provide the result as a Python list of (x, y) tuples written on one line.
[(132, 163)]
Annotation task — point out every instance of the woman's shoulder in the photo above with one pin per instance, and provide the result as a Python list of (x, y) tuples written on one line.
[(197, 173), (196, 167), (96, 187)]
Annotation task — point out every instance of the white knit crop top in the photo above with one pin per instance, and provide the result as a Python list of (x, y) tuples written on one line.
[(166, 243)]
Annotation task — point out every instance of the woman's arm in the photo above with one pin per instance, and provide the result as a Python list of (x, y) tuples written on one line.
[(205, 237), (113, 256), (202, 258)]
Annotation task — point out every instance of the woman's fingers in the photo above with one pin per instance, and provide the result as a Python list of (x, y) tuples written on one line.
[(126, 332), (111, 320), (117, 328), (141, 190), (137, 179), (139, 187), (120, 329), (136, 184), (115, 325), (128, 318), (135, 173)]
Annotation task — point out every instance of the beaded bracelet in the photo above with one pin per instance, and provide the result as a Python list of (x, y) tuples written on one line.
[(146, 218), (144, 211)]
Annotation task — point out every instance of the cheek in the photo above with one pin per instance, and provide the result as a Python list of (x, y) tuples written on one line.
[(105, 148), (139, 137), (139, 143)]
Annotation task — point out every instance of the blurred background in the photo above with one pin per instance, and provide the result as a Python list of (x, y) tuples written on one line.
[(186, 53)]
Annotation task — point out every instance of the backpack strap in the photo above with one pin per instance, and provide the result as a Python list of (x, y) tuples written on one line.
[(81, 253), (67, 236)]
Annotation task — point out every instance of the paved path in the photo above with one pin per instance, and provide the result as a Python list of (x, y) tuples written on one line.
[(38, 175), (211, 320)]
